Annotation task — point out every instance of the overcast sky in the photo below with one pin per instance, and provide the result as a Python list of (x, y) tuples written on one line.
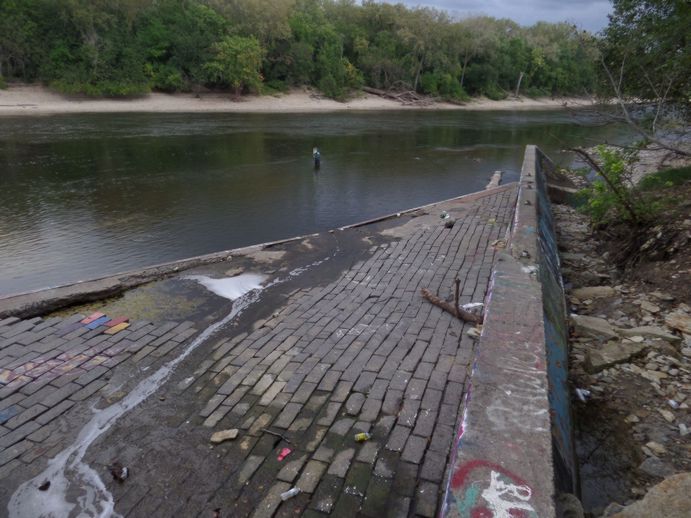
[(586, 14)]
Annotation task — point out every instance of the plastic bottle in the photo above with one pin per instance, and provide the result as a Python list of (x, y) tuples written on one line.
[(290, 493)]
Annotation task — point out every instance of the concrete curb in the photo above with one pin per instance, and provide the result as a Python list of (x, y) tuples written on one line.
[(513, 449)]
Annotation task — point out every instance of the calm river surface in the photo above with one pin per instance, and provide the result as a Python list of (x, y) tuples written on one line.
[(82, 196)]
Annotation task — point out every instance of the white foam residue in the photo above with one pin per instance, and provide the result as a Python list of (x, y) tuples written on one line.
[(230, 287)]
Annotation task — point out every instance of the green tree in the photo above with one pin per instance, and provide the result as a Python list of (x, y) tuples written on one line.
[(176, 38), (237, 63), (647, 55), (649, 42)]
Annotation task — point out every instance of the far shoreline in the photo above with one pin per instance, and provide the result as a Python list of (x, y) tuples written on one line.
[(32, 100)]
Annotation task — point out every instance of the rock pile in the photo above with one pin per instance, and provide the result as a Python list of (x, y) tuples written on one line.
[(631, 349)]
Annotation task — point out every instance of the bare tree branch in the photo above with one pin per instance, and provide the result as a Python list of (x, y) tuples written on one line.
[(627, 115)]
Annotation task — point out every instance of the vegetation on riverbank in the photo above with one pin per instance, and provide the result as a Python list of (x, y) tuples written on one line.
[(105, 48)]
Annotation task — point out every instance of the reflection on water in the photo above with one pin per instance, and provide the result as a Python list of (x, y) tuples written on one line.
[(88, 195)]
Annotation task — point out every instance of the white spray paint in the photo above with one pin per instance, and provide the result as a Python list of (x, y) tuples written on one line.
[(526, 403), (503, 497), (67, 473)]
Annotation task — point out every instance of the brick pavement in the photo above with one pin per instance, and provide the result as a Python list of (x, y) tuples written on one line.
[(48, 366), (363, 353)]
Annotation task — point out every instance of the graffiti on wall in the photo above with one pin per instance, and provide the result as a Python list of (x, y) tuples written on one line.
[(523, 401), (487, 490)]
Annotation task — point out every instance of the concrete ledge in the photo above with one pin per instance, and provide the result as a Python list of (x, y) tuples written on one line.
[(513, 449)]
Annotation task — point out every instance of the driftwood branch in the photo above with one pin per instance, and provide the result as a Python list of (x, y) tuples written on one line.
[(276, 435), (446, 306), (407, 97)]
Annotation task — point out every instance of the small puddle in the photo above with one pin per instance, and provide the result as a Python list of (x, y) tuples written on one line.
[(67, 474)]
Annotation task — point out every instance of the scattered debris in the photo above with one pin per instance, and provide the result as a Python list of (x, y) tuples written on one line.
[(287, 495), (284, 453), (275, 434), (44, 485), (224, 435), (473, 307), (119, 472), (362, 437), (451, 308), (474, 332), (583, 394)]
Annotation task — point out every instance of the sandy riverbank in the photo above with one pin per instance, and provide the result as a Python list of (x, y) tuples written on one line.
[(37, 100)]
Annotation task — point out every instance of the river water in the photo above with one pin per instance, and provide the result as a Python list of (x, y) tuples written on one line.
[(83, 196)]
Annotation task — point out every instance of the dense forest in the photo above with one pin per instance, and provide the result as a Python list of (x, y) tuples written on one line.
[(128, 47)]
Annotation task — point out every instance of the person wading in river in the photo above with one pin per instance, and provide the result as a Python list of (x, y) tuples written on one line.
[(316, 156)]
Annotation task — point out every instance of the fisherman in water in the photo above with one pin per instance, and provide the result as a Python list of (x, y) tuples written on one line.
[(316, 156)]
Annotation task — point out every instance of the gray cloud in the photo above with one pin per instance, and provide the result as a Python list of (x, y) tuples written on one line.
[(586, 14)]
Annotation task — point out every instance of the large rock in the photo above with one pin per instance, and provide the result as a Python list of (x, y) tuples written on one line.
[(611, 353), (680, 321), (668, 499), (651, 332), (593, 292), (595, 327), (656, 468)]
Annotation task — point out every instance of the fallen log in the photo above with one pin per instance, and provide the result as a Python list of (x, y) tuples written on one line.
[(408, 97), (449, 307)]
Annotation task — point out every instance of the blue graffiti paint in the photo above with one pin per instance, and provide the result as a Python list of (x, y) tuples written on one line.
[(556, 336)]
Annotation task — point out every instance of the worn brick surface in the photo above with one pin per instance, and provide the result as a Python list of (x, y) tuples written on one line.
[(363, 352)]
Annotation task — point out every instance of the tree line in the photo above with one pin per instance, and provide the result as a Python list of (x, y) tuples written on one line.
[(129, 47)]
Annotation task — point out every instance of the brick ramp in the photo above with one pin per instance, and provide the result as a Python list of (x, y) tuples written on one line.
[(363, 353)]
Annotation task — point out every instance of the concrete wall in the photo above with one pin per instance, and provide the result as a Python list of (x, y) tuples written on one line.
[(514, 449)]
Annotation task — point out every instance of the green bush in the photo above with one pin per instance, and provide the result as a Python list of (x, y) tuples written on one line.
[(100, 88), (611, 196), (444, 85), (330, 88), (167, 78), (494, 93), (428, 84), (273, 87)]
